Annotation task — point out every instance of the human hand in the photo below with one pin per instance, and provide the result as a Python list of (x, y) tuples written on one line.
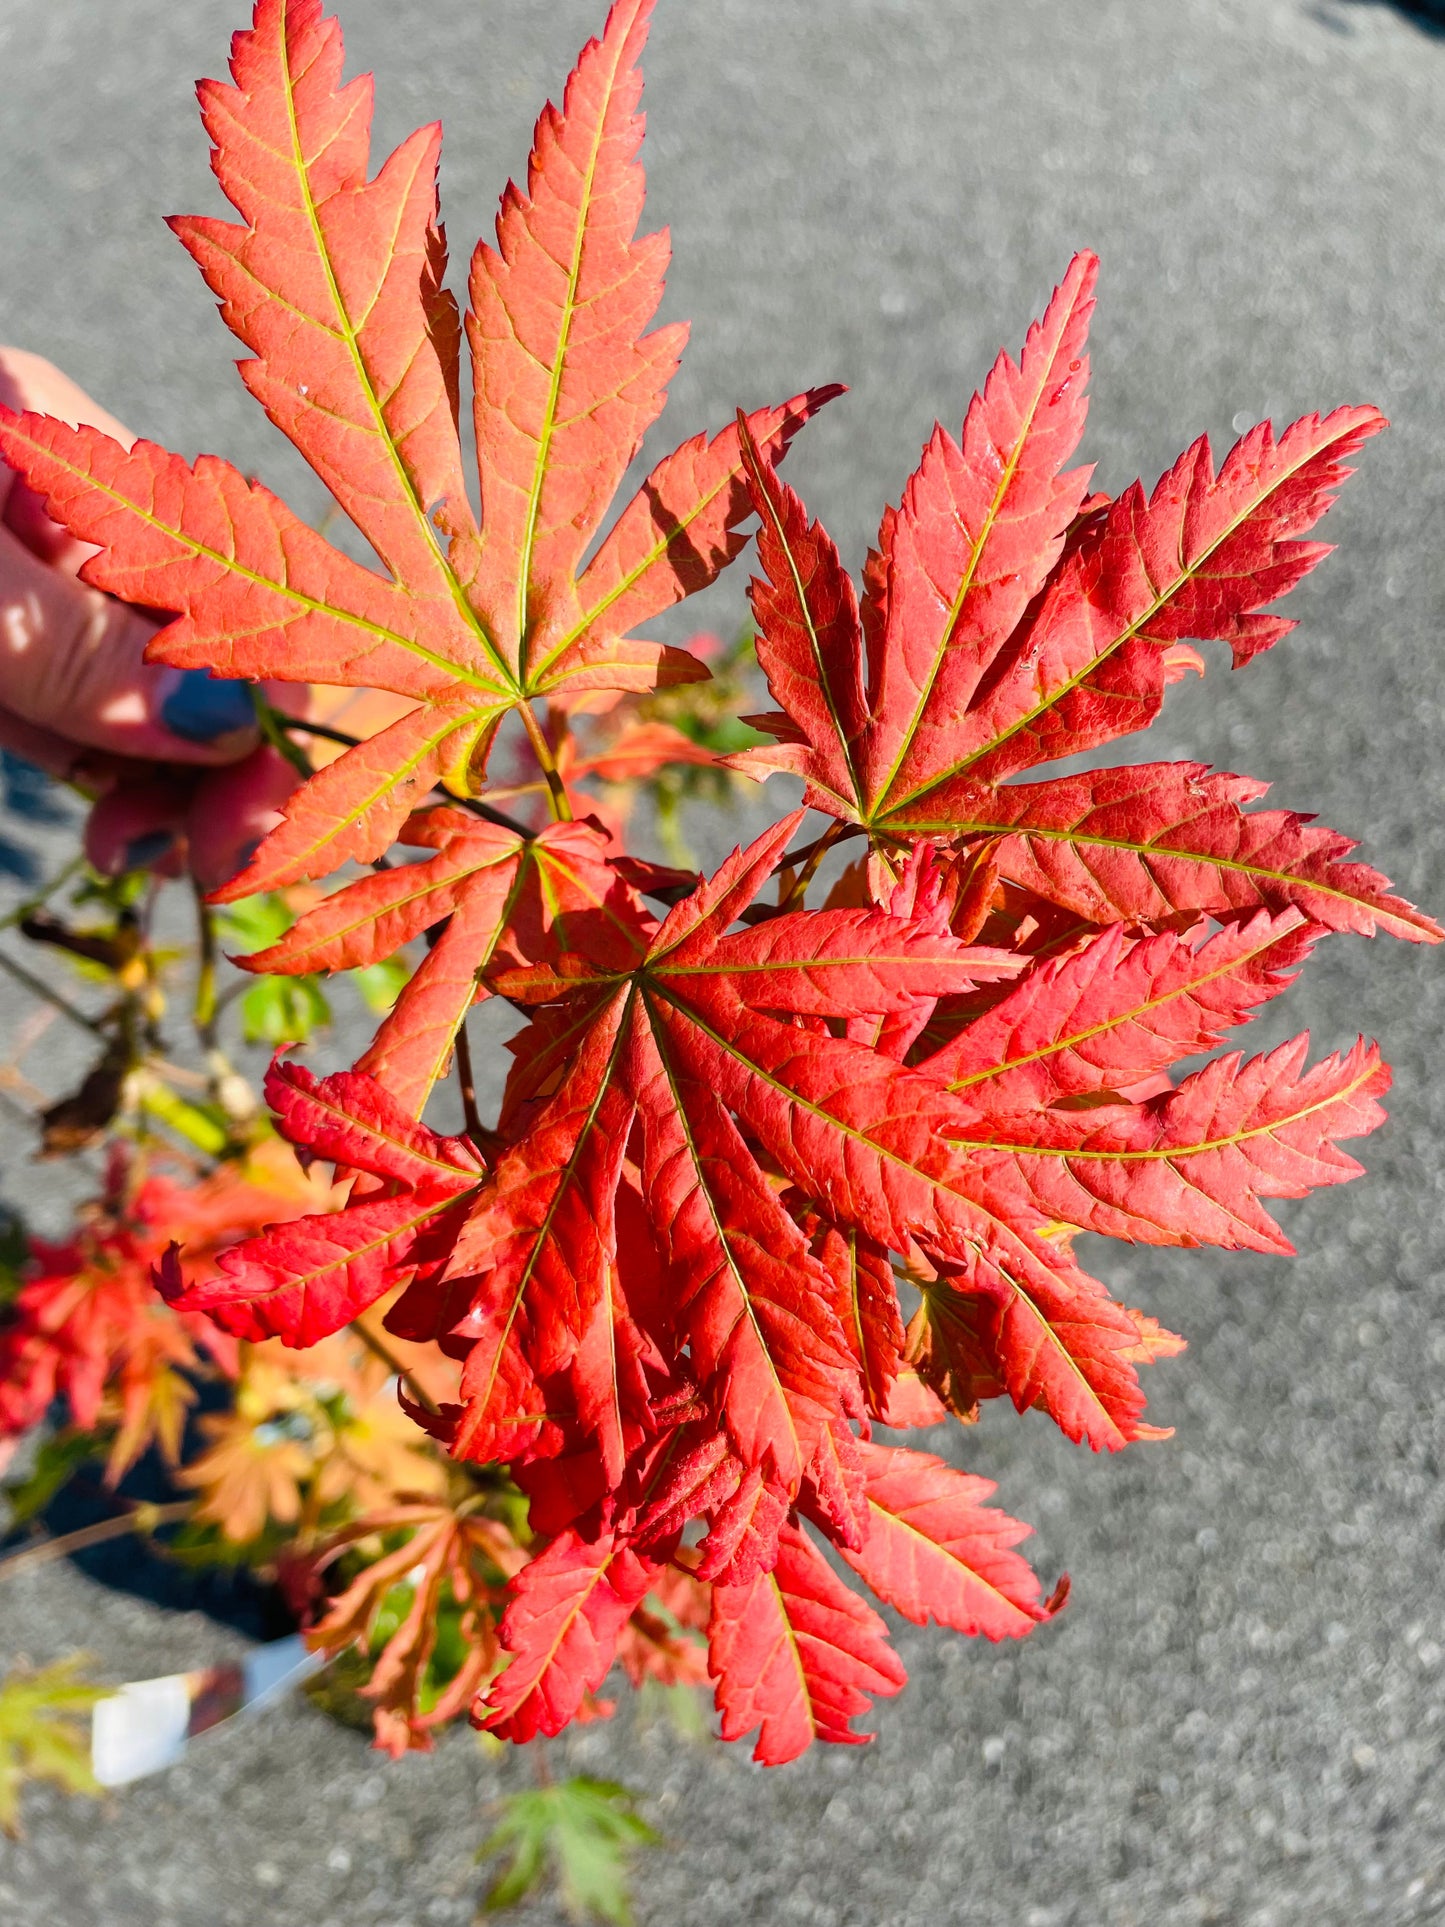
[(173, 757)]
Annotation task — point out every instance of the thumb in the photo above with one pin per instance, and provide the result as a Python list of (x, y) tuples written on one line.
[(71, 661)]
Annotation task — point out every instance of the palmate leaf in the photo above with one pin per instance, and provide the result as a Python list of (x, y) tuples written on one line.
[(988, 644), (333, 282), (301, 1280), (44, 1733), (496, 899), (668, 1278), (796, 1654), (535, 1253), (583, 1831), (446, 1551)]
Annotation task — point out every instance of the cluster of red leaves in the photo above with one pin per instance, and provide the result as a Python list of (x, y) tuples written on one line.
[(87, 1327), (670, 1272)]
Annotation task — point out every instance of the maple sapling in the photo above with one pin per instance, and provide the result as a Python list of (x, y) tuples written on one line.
[(659, 1292)]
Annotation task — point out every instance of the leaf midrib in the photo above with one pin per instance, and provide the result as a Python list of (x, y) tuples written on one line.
[(989, 523), (1312, 451), (559, 361), (363, 377), (1167, 1154), (1076, 1038)]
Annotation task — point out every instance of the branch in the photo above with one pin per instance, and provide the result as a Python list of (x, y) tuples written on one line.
[(204, 1011), (379, 1347), (816, 851), (43, 895), (836, 833), (462, 1047), (144, 1519), (39, 988)]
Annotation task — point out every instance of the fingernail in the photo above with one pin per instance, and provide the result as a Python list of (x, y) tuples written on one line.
[(201, 708), (142, 851)]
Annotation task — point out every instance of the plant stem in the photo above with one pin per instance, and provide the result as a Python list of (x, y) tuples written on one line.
[(42, 895), (204, 1012), (39, 988), (542, 750), (144, 1519), (380, 1349), (476, 1130), (274, 727), (835, 833), (798, 889), (472, 803)]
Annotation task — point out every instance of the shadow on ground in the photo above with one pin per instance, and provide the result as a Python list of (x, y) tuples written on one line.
[(1427, 15)]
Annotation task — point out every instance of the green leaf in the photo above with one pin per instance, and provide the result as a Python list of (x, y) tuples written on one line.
[(380, 984), (44, 1734), (255, 921), (14, 1251), (57, 1461), (582, 1831), (284, 1010)]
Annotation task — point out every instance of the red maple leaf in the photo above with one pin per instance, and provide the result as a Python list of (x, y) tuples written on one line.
[(87, 1327), (992, 639), (309, 1277), (333, 282), (669, 1272)]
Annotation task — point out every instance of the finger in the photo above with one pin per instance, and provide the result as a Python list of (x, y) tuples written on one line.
[(29, 381), (140, 826), (232, 809), (55, 754), (71, 661)]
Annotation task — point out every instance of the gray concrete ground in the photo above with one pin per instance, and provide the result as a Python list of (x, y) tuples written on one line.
[(1239, 1720)]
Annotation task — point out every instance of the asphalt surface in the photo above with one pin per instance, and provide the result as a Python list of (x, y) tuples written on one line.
[(1239, 1719)]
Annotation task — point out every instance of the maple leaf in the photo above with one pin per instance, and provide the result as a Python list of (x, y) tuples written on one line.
[(260, 1455), (86, 1325), (333, 282), (585, 1831), (991, 640), (44, 1733), (446, 1552), (934, 1549), (538, 1250), (498, 900), (666, 1283), (795, 1653), (306, 1278), (568, 1609)]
